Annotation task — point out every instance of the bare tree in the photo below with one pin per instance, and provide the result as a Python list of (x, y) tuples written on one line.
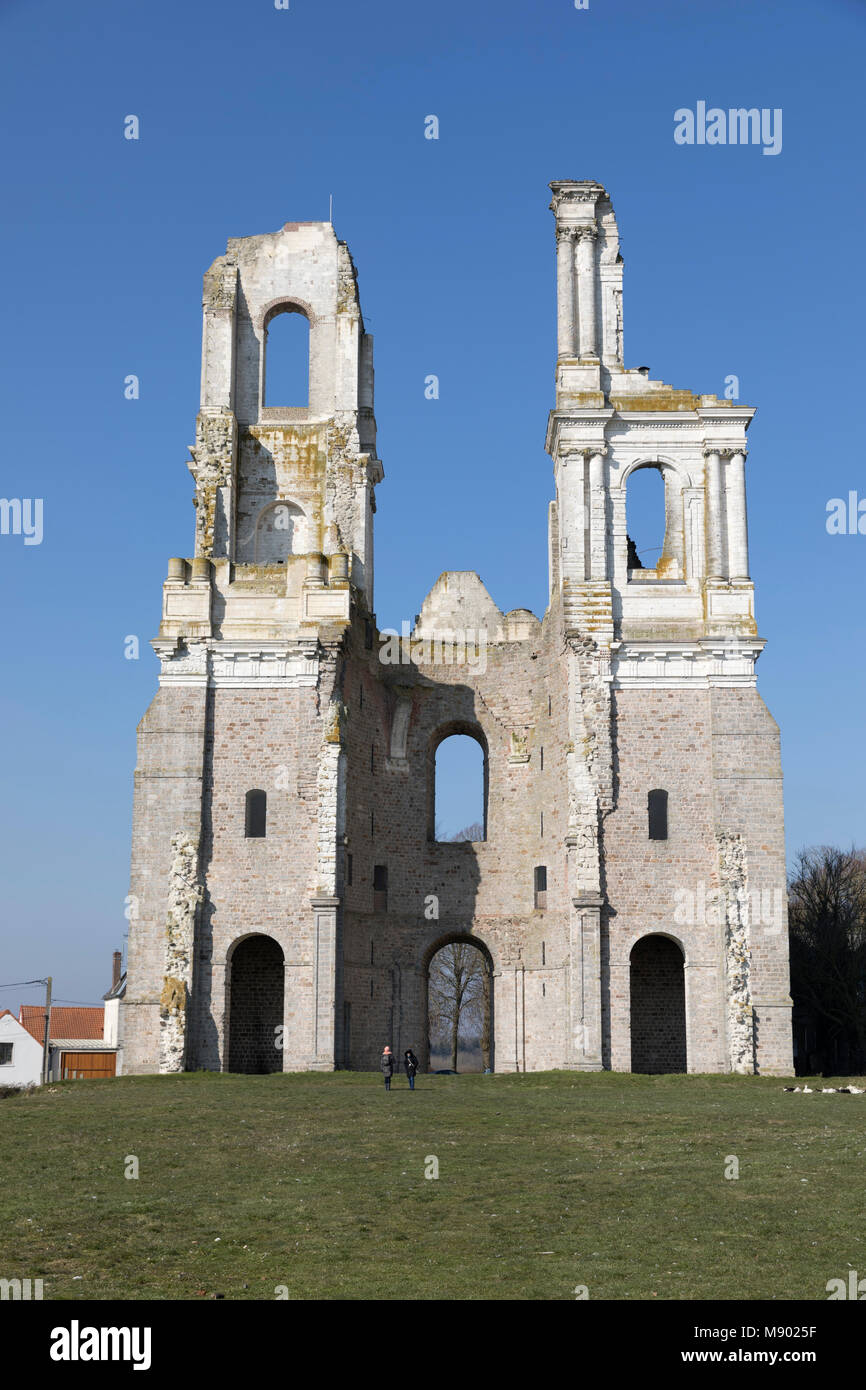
[(457, 996), (827, 913), (475, 831)]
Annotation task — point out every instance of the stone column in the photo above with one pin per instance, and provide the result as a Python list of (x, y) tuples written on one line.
[(585, 258), (715, 516), (585, 983), (572, 517), (597, 512), (619, 987), (565, 291), (214, 1055), (735, 500), (326, 968)]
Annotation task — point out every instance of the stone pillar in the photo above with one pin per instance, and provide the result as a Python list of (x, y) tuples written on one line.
[(565, 291), (585, 983), (619, 987), (326, 966), (519, 1007), (215, 1057), (185, 895), (572, 517), (735, 501), (585, 258), (715, 516), (597, 513)]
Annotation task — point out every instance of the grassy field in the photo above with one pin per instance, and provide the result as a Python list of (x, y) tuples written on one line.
[(546, 1182)]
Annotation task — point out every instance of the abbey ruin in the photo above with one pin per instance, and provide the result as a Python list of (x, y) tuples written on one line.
[(284, 844)]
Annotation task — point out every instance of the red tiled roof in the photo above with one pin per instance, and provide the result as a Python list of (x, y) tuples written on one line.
[(66, 1022), (4, 1012)]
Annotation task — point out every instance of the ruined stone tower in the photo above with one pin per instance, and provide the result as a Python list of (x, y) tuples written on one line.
[(289, 892)]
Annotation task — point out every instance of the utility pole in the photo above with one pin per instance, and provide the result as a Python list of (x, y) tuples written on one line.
[(45, 1049)]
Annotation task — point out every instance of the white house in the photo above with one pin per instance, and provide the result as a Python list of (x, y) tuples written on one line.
[(20, 1054)]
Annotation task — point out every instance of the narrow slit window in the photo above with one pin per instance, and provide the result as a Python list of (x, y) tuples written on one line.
[(380, 888), (541, 886), (657, 810)]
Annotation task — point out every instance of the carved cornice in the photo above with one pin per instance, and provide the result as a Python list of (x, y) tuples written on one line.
[(724, 451), (225, 663), (582, 451)]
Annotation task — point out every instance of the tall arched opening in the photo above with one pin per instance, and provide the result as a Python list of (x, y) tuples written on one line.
[(457, 783), (255, 982), (287, 357), (458, 1005), (658, 1006), (655, 539)]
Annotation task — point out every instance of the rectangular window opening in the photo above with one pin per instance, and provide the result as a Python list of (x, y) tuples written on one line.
[(541, 889), (380, 888)]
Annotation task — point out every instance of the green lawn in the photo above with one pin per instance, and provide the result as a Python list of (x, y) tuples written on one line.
[(546, 1182)]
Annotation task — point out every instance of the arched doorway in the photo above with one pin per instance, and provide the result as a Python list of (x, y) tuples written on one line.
[(255, 984), (658, 1006), (458, 1006)]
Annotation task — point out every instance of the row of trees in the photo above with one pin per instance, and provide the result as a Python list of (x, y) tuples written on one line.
[(827, 923)]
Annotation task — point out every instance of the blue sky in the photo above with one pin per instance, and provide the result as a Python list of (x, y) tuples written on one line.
[(735, 263)]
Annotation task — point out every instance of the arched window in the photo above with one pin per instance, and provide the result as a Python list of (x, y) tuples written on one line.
[(279, 533), (459, 784), (287, 359), (657, 812), (256, 814), (645, 518)]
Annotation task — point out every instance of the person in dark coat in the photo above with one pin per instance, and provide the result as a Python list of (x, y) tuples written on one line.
[(387, 1065), (410, 1062)]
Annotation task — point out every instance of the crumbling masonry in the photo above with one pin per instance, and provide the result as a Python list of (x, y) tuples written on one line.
[(288, 888)]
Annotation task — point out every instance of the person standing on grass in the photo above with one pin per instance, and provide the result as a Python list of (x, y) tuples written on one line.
[(410, 1062), (387, 1065)]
